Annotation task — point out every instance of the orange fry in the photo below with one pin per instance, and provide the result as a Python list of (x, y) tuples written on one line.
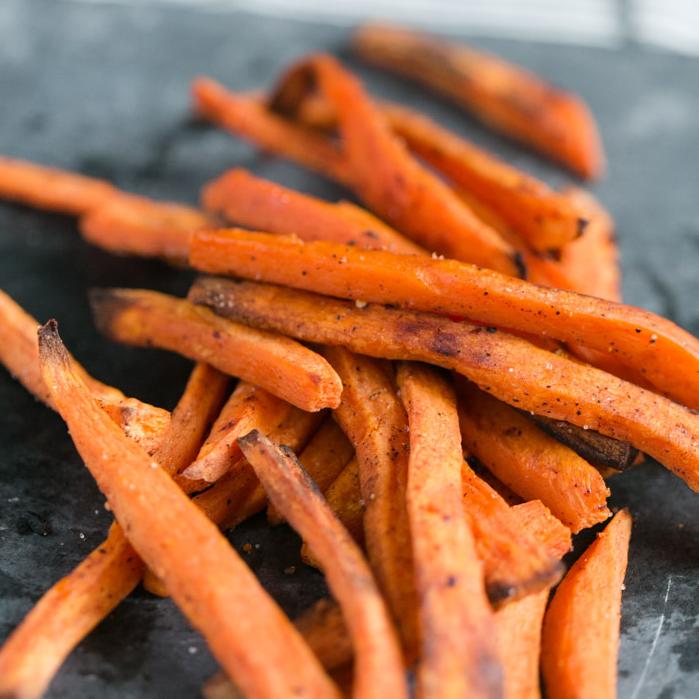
[(247, 408), (508, 98), (378, 663), (459, 655), (508, 367), (66, 614), (657, 348), (250, 201), (50, 188), (323, 459), (530, 462), (247, 117), (132, 225), (283, 367), (207, 579), (580, 641)]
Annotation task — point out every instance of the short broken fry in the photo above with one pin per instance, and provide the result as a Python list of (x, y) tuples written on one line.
[(280, 365), (580, 640)]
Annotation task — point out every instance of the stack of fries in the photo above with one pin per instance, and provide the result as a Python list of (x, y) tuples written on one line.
[(431, 391)]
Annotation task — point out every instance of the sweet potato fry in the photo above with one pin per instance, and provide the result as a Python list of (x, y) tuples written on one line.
[(395, 185), (248, 407), (459, 656), (246, 117), (506, 97), (372, 417), (378, 663), (661, 351), (508, 367), (50, 188), (250, 201), (19, 353), (344, 497), (67, 613), (131, 225), (239, 495), (530, 462), (580, 640), (277, 364), (323, 459), (207, 579)]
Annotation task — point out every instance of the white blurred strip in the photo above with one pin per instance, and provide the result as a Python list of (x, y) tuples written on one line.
[(589, 22), (672, 24)]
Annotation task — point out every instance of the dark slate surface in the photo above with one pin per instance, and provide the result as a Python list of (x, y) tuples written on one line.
[(103, 90)]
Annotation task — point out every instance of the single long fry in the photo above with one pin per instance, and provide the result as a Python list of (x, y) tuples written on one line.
[(397, 187), (323, 459), (247, 117), (661, 351), (277, 364), (132, 225), (459, 656), (207, 579), (34, 652), (50, 188), (250, 201), (372, 417), (508, 98), (508, 367), (530, 462), (19, 353), (379, 669), (580, 641), (249, 407)]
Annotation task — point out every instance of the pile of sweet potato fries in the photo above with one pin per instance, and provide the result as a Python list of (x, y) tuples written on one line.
[(431, 391)]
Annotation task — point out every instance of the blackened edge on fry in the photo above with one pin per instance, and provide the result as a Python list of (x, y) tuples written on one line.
[(107, 305)]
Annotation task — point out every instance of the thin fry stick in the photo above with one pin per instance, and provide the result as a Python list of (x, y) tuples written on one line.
[(344, 497), (661, 351), (250, 201), (34, 652), (50, 188), (374, 420), (214, 588), (246, 117), (323, 459), (19, 353), (132, 225), (249, 407), (507, 367), (506, 97), (378, 664), (530, 462), (459, 656), (277, 364), (580, 642)]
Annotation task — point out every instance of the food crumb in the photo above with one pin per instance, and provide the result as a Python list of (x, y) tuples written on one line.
[(360, 304), (290, 570), (81, 535), (247, 547), (192, 650)]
